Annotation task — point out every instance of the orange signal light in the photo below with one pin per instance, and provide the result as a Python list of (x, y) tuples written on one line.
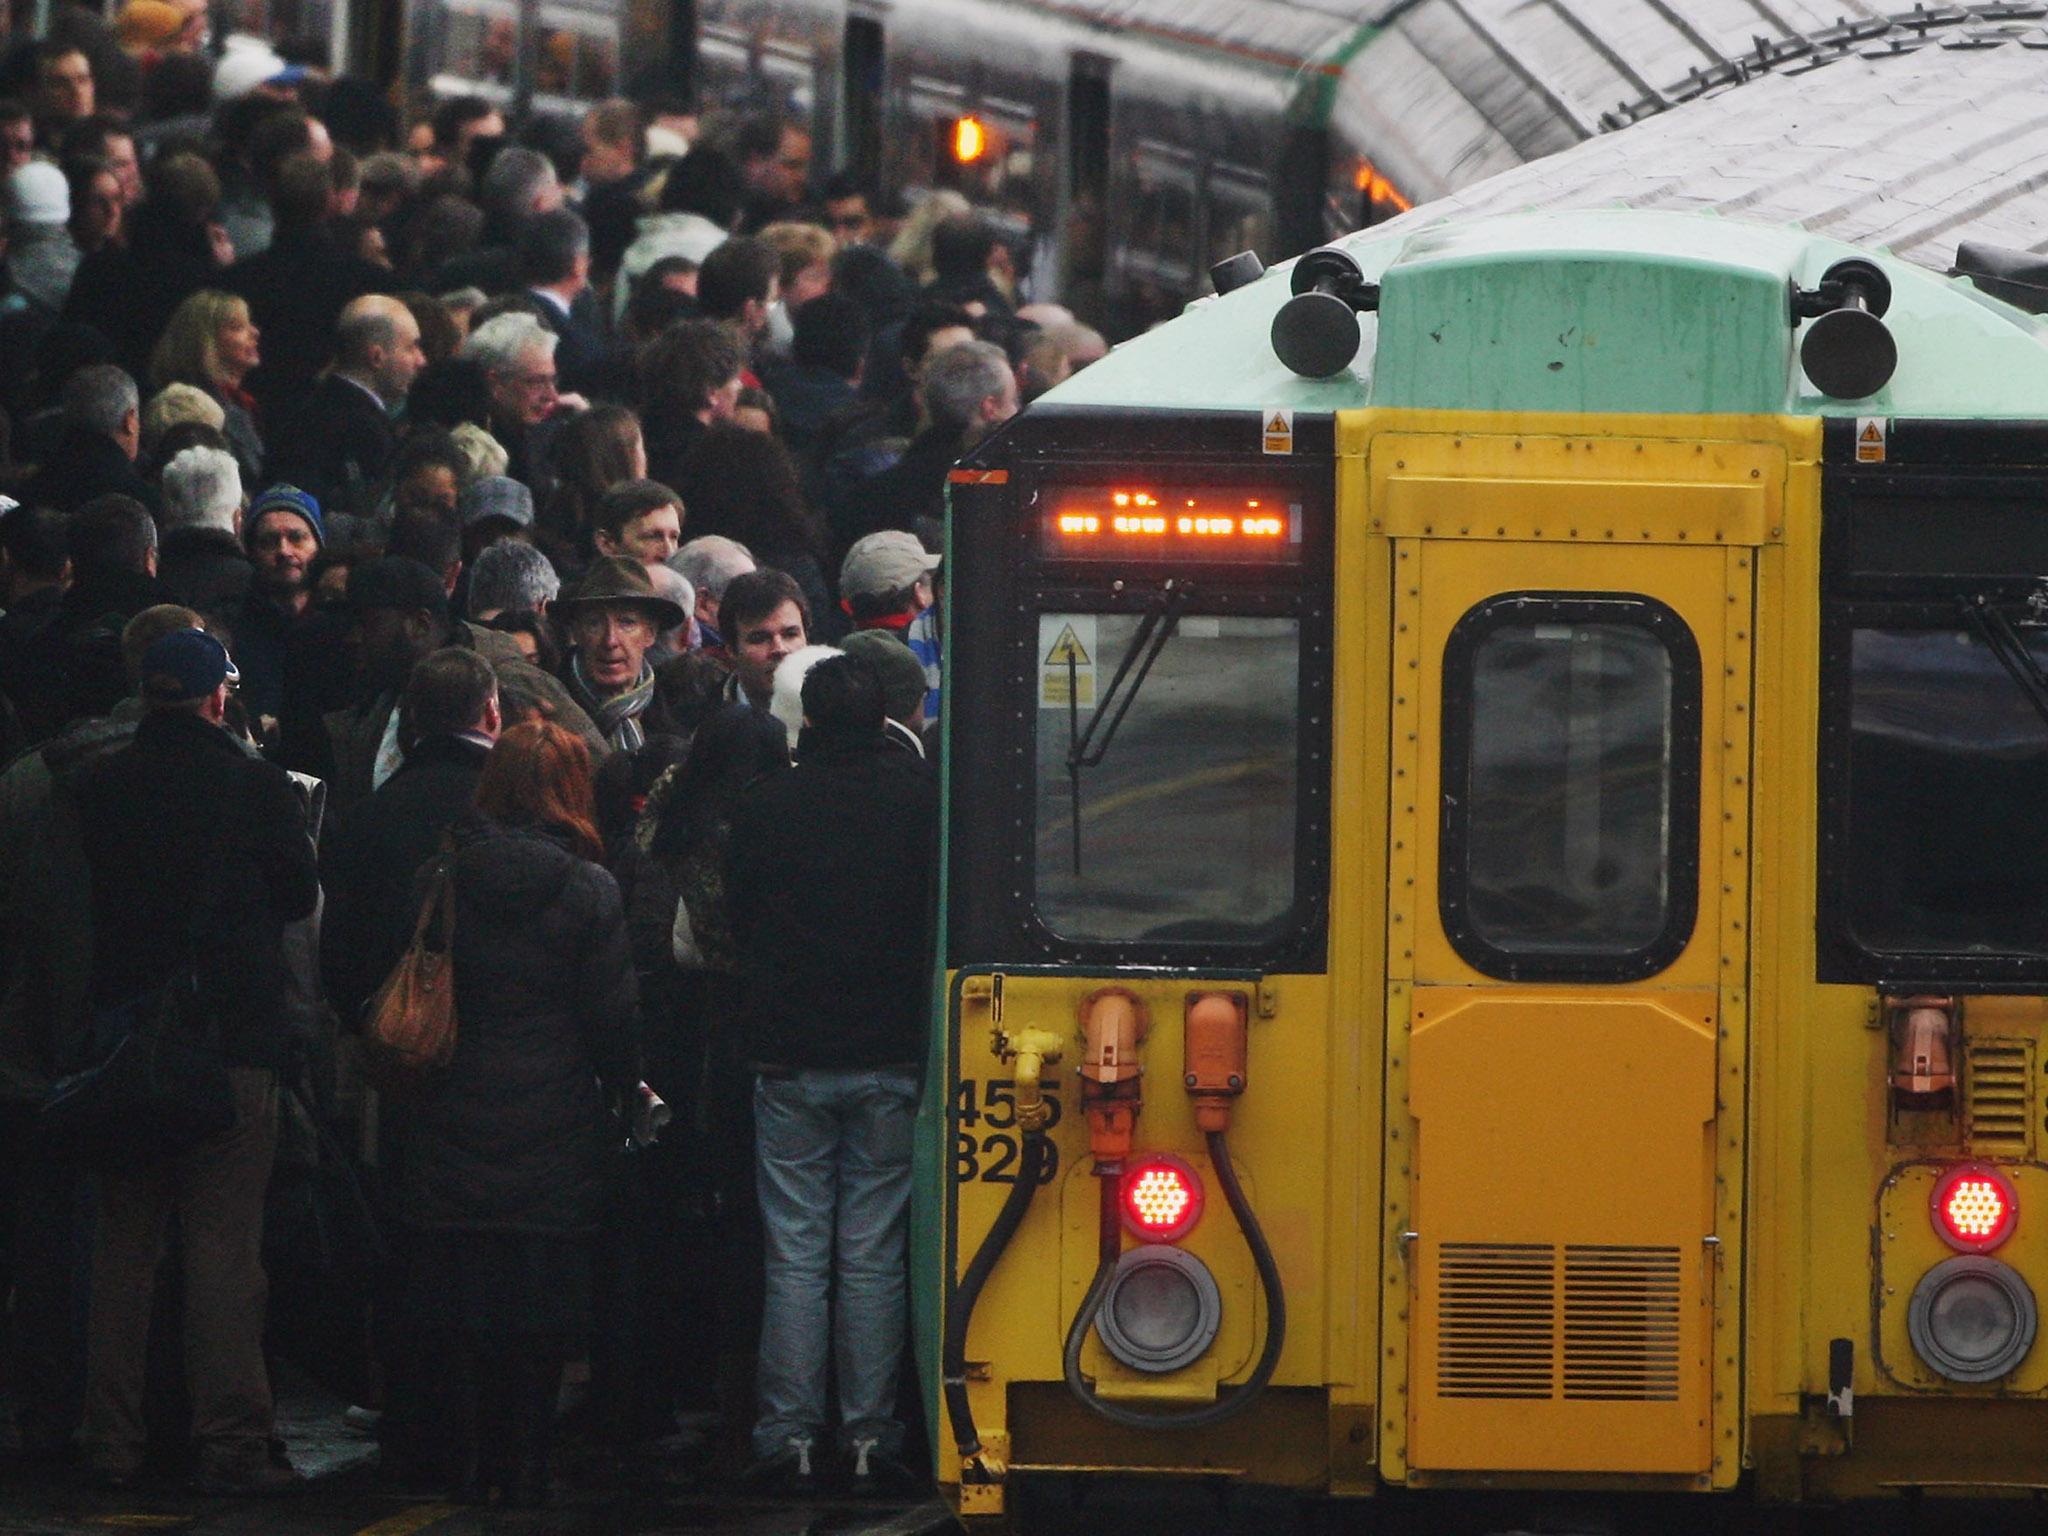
[(970, 140)]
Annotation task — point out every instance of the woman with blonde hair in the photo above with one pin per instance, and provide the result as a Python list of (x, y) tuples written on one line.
[(211, 344), (912, 248), (507, 1151)]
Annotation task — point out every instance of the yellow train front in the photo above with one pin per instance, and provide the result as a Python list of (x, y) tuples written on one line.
[(1497, 896)]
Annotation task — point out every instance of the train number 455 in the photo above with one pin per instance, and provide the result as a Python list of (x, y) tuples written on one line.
[(986, 1144)]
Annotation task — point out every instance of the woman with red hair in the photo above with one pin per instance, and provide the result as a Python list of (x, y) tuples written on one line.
[(507, 1150)]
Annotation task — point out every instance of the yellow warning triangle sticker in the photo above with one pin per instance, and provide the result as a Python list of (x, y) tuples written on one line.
[(1067, 648), (1278, 424), (1872, 433)]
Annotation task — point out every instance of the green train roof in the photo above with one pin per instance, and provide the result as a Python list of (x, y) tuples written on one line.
[(1611, 310)]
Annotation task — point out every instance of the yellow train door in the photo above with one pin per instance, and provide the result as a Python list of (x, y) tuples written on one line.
[(1567, 949)]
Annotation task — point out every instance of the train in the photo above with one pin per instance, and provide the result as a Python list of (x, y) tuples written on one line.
[(1495, 922), (1126, 146)]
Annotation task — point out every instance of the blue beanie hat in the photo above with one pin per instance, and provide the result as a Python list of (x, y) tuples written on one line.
[(287, 498)]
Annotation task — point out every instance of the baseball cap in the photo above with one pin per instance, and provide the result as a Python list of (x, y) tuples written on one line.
[(287, 498), (495, 496), (902, 674), (190, 664), (396, 581), (884, 563)]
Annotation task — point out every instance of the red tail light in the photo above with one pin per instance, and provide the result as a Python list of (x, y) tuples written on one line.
[(1162, 1198), (1975, 1207)]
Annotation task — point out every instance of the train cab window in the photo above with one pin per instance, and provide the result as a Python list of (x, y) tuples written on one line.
[(1571, 751), (1946, 852), (1166, 799)]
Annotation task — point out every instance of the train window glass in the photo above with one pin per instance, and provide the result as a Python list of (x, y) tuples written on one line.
[(1570, 787), (1179, 827), (1162, 223), (1947, 851), (481, 45)]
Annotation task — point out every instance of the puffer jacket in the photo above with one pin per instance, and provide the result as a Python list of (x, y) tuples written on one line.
[(513, 1135)]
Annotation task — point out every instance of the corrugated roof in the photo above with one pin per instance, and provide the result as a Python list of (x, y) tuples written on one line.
[(1911, 151)]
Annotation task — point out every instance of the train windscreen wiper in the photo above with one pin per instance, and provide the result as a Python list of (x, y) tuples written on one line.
[(1996, 629), (1086, 749)]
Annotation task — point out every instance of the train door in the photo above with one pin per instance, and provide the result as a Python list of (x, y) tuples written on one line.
[(1567, 948)]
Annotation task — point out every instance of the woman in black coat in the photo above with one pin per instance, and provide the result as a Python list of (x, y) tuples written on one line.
[(508, 1151)]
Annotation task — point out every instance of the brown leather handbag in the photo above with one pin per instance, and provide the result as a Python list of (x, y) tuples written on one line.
[(409, 1028)]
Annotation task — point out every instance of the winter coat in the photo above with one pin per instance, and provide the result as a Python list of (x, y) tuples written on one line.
[(83, 465), (372, 852), (513, 1135), (296, 290), (338, 444), (46, 905), (347, 753), (128, 292), (204, 568), (829, 889), (76, 669), (199, 852)]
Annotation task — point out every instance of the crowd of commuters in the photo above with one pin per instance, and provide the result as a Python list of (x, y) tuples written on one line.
[(547, 509)]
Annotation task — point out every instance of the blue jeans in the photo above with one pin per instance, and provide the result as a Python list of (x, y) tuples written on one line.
[(833, 1164)]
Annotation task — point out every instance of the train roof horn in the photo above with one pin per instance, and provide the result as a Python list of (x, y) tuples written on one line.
[(1316, 332), (1847, 351)]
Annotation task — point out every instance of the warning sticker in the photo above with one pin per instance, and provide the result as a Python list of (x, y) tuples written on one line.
[(1278, 430), (1066, 660), (1870, 432)]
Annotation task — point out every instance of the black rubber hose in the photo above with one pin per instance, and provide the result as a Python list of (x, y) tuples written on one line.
[(1269, 1281), (953, 1357)]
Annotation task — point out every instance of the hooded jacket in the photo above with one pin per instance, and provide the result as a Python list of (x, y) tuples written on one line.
[(829, 889), (513, 1136)]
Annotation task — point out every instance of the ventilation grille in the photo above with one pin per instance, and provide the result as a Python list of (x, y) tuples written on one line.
[(1621, 1324), (1496, 1320), (1501, 1332), (2000, 1083)]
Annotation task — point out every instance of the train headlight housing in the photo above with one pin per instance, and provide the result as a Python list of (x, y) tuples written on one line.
[(1161, 1198), (1972, 1318), (1161, 1310), (1975, 1207)]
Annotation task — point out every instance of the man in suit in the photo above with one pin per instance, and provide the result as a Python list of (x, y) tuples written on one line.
[(297, 288), (341, 444), (554, 258), (199, 859)]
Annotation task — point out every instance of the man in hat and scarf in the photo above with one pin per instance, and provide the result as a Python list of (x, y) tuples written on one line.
[(614, 616)]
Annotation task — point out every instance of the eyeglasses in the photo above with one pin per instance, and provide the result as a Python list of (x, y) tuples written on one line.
[(535, 380)]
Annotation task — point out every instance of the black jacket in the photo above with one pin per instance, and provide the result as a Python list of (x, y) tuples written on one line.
[(583, 353), (829, 884), (128, 292), (910, 490), (296, 290), (199, 848), (513, 1134), (83, 465), (75, 666), (204, 568), (370, 854), (339, 445)]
